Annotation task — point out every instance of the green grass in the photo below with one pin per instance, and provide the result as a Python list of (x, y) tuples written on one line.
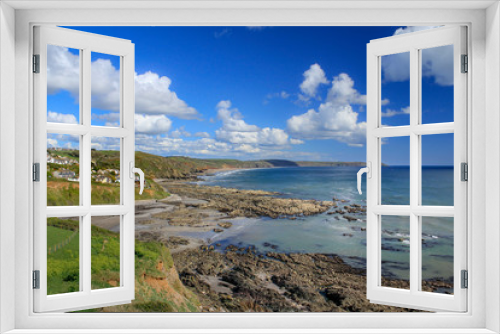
[(62, 264), (63, 272)]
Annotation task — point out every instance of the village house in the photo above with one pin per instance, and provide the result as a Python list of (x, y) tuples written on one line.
[(64, 174)]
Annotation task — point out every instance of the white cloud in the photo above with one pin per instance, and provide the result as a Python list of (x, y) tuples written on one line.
[(223, 32), (281, 95), (256, 28), (63, 71), (153, 96), (335, 118), (180, 132), (313, 77), (55, 117), (201, 135), (437, 63), (342, 91), (209, 147), (294, 141), (236, 131), (232, 120), (152, 92), (152, 124), (51, 142), (105, 143), (406, 30), (392, 113)]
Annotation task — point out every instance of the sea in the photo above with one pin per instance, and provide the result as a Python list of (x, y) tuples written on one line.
[(333, 234)]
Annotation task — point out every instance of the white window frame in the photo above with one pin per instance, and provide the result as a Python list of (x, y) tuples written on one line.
[(413, 43), (484, 101), (87, 43)]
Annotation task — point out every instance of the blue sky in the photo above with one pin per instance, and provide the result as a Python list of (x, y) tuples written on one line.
[(254, 92)]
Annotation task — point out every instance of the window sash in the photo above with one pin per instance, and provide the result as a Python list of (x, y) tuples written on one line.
[(414, 298), (86, 297)]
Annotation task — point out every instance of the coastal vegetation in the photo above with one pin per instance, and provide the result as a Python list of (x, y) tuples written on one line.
[(158, 288)]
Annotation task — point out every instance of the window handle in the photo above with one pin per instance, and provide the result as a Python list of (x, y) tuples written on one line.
[(134, 170), (368, 171)]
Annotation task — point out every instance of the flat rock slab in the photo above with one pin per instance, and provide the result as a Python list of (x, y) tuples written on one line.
[(173, 198), (194, 202)]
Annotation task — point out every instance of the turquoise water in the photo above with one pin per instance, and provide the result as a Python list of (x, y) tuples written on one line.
[(333, 234)]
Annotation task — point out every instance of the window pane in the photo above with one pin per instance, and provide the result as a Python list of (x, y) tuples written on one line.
[(105, 90), (105, 170), (395, 170), (437, 254), (395, 89), (63, 255), (105, 260), (63, 170), (437, 169), (437, 84), (395, 266), (63, 85)]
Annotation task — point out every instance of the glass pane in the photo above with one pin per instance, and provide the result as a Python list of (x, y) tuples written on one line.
[(437, 169), (63, 85), (395, 169), (105, 170), (105, 90), (395, 89), (105, 260), (63, 170), (437, 254), (395, 266), (437, 84), (63, 255)]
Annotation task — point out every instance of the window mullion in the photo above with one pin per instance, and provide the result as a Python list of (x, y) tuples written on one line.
[(414, 171), (85, 177)]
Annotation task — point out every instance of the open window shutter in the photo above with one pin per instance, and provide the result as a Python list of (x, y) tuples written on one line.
[(416, 296), (65, 277)]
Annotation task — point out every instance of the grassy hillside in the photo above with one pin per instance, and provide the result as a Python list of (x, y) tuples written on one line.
[(158, 288)]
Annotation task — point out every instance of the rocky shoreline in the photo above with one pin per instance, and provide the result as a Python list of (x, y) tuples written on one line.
[(238, 279)]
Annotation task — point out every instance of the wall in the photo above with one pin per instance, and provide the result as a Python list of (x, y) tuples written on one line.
[(492, 162), (7, 159)]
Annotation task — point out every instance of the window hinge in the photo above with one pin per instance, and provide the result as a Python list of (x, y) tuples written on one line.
[(465, 279), (36, 63), (465, 64), (36, 279), (464, 167), (36, 172)]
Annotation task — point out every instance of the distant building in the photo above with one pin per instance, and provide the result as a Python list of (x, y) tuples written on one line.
[(64, 174), (103, 179)]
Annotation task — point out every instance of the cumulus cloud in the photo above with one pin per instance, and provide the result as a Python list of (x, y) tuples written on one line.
[(235, 130), (153, 95), (105, 143), (55, 117), (392, 113), (201, 135), (437, 63), (63, 141), (342, 91), (296, 141), (152, 124), (211, 147), (335, 118), (179, 133), (313, 77), (232, 120)]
